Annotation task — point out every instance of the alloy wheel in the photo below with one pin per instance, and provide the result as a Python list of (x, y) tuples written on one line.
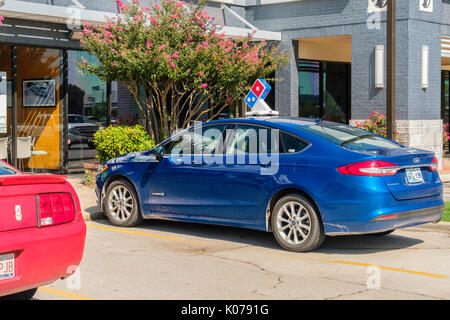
[(293, 223), (120, 203)]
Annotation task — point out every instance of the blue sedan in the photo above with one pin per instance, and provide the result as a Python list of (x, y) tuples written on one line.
[(297, 178)]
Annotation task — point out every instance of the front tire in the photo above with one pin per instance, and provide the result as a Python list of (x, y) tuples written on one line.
[(122, 207), (296, 224)]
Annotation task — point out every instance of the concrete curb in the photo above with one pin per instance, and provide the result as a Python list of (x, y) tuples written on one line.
[(99, 215), (441, 226)]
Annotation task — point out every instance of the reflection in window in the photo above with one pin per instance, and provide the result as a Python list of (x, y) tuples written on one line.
[(87, 109)]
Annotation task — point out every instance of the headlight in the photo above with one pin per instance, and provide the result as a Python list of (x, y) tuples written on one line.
[(102, 168)]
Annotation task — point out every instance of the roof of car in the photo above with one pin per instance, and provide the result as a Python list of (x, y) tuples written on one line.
[(275, 120)]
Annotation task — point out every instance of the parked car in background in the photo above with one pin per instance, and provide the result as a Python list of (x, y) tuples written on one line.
[(81, 130), (42, 231), (324, 178)]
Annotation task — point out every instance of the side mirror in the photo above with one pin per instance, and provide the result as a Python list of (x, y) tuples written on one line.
[(159, 153)]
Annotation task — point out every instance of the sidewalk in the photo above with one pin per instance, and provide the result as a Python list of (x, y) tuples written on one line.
[(444, 173), (87, 196)]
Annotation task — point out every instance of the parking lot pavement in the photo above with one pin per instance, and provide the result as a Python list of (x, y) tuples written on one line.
[(173, 260)]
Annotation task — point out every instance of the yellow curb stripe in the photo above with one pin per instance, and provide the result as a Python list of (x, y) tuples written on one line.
[(361, 264), (64, 294), (145, 234)]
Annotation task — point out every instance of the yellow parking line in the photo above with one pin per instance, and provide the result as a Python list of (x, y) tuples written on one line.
[(145, 234), (64, 294), (362, 264)]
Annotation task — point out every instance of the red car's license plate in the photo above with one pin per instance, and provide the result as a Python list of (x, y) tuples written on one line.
[(6, 266)]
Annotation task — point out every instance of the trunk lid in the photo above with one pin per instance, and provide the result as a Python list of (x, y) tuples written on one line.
[(18, 199), (409, 159)]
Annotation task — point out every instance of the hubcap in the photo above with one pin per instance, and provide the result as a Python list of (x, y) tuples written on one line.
[(293, 222), (120, 203)]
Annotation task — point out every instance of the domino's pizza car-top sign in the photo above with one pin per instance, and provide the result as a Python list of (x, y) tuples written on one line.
[(260, 90), (251, 99)]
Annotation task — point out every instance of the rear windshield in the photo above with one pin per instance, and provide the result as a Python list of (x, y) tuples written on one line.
[(6, 170), (351, 138)]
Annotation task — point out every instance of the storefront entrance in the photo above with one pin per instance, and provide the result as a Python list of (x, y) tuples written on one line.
[(325, 90), (52, 110)]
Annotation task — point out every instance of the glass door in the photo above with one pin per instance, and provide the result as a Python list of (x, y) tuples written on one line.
[(324, 90)]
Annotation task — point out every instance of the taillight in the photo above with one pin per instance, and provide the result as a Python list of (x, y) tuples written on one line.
[(434, 165), (370, 168), (55, 208)]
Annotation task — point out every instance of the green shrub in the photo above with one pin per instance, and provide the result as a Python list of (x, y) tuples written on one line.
[(114, 141)]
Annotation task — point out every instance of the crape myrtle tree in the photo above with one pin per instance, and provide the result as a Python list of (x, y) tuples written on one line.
[(187, 67)]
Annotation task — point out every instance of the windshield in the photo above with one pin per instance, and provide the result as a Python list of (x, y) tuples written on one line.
[(351, 138), (6, 170)]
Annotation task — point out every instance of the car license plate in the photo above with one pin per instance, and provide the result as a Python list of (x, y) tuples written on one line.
[(6, 266), (414, 175)]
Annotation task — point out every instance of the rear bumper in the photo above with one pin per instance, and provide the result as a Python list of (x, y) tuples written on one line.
[(42, 255), (392, 221)]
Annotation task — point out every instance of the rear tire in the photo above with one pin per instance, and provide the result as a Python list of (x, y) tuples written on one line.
[(24, 295), (296, 224), (121, 204)]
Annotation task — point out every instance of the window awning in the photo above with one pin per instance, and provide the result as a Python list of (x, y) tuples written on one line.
[(445, 46), (63, 15)]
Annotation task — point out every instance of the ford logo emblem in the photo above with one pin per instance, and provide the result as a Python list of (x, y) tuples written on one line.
[(416, 160)]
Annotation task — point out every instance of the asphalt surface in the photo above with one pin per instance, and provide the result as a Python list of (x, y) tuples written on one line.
[(174, 260)]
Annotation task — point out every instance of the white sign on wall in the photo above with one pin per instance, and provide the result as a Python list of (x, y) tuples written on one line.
[(3, 101), (376, 6), (426, 5)]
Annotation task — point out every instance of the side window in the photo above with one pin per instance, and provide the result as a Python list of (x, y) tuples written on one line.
[(204, 140), (292, 144), (212, 140), (253, 139)]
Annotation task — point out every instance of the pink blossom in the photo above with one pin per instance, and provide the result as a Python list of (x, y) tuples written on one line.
[(149, 44), (201, 74), (204, 85), (163, 46), (153, 20), (228, 99), (172, 65), (188, 70), (175, 25), (175, 55)]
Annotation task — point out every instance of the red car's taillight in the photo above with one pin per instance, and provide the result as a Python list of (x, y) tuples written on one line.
[(370, 168), (434, 165), (55, 208)]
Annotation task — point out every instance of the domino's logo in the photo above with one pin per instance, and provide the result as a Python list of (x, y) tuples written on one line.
[(251, 99), (260, 90)]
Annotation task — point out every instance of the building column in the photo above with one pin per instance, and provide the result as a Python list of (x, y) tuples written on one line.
[(418, 110), (286, 91)]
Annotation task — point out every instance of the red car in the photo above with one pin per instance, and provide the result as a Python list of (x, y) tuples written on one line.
[(42, 231)]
